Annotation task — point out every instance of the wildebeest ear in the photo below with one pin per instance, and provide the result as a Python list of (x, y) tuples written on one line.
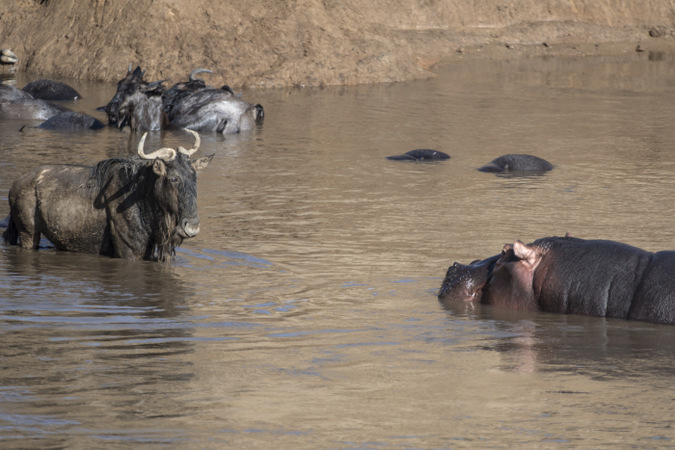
[(159, 167), (202, 162)]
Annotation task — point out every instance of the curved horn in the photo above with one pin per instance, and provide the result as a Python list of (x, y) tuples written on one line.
[(196, 71), (165, 153), (195, 147)]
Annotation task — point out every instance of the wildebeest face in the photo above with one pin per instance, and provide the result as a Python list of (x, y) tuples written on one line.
[(125, 87), (129, 85), (176, 192)]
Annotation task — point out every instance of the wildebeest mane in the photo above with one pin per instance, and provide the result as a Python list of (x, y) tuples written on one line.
[(128, 169), (162, 245)]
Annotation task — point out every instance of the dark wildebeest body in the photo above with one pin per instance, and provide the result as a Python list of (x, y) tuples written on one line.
[(193, 104), (142, 111), (71, 120), (140, 207), (571, 276), (179, 91), (517, 163), (133, 85), (51, 90), (421, 154), (216, 110), (16, 104)]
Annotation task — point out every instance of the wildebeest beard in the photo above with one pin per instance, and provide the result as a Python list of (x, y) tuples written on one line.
[(136, 190)]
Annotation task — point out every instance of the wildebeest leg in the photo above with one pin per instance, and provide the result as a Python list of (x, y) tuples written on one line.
[(23, 218), (221, 126)]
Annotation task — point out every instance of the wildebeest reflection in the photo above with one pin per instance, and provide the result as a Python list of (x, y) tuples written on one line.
[(139, 207)]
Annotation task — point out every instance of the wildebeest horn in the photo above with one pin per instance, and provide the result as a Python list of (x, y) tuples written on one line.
[(165, 153), (195, 147), (196, 71)]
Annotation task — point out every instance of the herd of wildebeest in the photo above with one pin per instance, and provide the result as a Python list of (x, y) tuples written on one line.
[(143, 207)]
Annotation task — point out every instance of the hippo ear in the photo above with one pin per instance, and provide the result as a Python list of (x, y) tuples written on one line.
[(526, 254)]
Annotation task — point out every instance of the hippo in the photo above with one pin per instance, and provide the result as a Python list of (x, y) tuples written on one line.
[(72, 120), (51, 90), (569, 275), (421, 154), (517, 163)]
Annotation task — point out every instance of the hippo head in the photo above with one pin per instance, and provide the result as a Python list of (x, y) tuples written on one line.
[(512, 277), (465, 282)]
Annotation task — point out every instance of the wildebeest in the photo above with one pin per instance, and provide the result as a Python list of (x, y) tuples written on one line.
[(138, 207), (138, 99), (190, 104), (216, 110), (16, 104), (176, 93)]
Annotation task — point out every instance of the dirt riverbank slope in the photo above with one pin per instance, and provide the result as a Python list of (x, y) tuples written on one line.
[(262, 43)]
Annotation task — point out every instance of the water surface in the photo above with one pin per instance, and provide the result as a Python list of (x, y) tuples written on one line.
[(304, 315)]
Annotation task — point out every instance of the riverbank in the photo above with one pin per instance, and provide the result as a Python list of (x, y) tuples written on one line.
[(256, 44)]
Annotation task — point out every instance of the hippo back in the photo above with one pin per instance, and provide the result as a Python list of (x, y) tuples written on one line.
[(655, 298)]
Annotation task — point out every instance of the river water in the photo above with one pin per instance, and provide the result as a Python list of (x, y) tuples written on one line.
[(304, 315)]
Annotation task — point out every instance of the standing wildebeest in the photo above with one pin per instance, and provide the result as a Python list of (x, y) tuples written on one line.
[(140, 207), (192, 104)]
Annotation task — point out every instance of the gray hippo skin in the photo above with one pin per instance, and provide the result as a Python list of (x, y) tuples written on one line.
[(465, 282), (51, 90), (71, 120), (517, 163), (16, 104), (421, 154), (571, 276)]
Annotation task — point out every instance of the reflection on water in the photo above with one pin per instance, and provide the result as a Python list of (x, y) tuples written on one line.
[(305, 313)]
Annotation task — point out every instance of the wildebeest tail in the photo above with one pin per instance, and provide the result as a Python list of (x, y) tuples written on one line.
[(11, 234)]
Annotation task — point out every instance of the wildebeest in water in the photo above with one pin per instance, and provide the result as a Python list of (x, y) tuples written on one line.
[(136, 208), (147, 106)]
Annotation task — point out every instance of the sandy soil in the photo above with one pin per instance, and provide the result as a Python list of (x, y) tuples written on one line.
[(262, 43)]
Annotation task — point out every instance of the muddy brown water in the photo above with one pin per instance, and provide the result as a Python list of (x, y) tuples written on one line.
[(304, 315)]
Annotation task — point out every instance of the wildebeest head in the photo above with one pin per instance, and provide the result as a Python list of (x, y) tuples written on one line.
[(129, 85), (174, 190)]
